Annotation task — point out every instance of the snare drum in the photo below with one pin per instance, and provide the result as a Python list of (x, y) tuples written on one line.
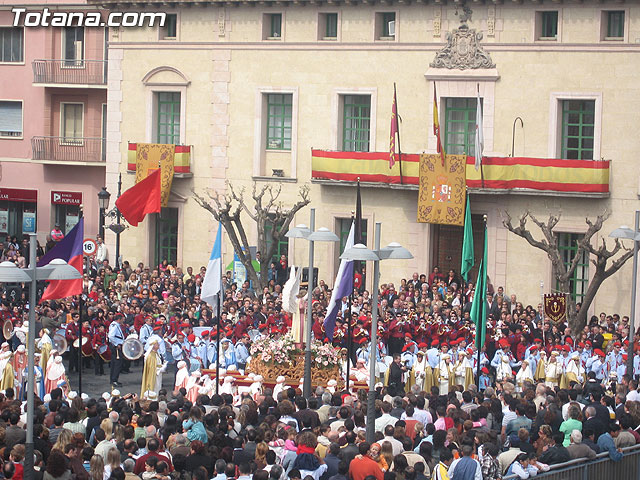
[(104, 352)]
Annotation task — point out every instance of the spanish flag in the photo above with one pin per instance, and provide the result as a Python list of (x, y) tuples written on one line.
[(436, 124)]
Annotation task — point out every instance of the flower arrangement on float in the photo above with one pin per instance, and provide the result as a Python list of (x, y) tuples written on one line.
[(272, 350), (325, 354)]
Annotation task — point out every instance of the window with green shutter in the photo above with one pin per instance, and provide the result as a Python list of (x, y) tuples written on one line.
[(579, 281), (168, 118), (549, 24), (356, 123), (279, 109), (578, 119), (460, 126), (276, 25), (331, 25), (388, 24), (615, 24), (283, 244)]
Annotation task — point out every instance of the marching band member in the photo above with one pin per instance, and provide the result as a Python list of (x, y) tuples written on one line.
[(615, 357), (524, 375), (553, 370), (446, 374), (433, 355), (599, 365), (99, 342), (485, 379), (242, 352), (228, 355), (146, 330)]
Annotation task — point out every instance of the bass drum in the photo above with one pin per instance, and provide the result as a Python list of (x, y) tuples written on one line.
[(59, 343), (104, 352), (87, 349), (132, 348)]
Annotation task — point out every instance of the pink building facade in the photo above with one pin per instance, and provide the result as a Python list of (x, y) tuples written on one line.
[(53, 92)]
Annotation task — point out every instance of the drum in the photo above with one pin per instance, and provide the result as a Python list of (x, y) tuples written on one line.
[(59, 343), (87, 348), (104, 352), (132, 348)]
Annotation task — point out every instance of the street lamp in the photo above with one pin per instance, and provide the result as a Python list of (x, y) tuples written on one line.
[(359, 252), (321, 235), (117, 227), (57, 269), (627, 233), (103, 204)]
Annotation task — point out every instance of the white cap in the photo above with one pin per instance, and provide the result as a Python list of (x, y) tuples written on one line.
[(21, 348), (84, 397), (280, 379), (47, 398), (72, 395), (106, 396), (115, 393)]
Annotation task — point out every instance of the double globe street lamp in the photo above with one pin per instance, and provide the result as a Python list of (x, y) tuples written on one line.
[(359, 252), (321, 235), (57, 269)]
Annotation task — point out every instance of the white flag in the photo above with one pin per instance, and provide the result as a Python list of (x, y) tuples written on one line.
[(212, 283), (479, 134)]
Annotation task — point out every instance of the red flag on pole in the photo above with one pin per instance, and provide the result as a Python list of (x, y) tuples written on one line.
[(142, 198), (393, 130), (436, 124)]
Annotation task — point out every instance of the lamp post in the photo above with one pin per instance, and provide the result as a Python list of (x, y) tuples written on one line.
[(321, 235), (361, 253), (117, 227), (103, 204), (627, 233), (56, 270)]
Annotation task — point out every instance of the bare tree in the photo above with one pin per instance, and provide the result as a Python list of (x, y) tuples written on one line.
[(599, 257), (267, 210)]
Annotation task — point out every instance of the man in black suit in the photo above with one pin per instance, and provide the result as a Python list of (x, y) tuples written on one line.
[(350, 450), (602, 412), (593, 423)]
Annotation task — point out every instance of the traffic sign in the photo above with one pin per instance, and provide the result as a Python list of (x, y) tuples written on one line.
[(89, 247)]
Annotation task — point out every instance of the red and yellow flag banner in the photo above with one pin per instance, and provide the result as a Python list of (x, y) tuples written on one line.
[(393, 131), (442, 193), (150, 157), (181, 158), (500, 174)]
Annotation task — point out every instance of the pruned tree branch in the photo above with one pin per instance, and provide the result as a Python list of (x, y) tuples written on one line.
[(231, 210), (564, 272)]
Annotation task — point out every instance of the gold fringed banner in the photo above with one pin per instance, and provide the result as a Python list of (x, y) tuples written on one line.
[(151, 155), (442, 189)]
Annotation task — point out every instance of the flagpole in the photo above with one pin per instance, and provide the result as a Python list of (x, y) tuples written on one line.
[(477, 133), (395, 99), (350, 303), (482, 294), (220, 301), (80, 308)]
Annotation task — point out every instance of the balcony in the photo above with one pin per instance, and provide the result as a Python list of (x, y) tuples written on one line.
[(69, 151), (502, 175), (70, 73)]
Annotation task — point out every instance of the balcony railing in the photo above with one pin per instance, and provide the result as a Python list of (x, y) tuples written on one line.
[(70, 72), (499, 175), (76, 149)]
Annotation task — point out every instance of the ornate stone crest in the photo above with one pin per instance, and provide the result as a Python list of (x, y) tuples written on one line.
[(463, 49)]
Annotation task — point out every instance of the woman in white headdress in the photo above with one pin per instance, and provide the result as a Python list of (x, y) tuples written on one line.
[(55, 373), (193, 386), (524, 375), (504, 373), (446, 374), (575, 370), (182, 376), (463, 370), (227, 385), (279, 387)]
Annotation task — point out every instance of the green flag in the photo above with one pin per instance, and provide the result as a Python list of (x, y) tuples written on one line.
[(467, 244), (479, 304)]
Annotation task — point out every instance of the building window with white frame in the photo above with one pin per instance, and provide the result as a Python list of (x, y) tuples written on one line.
[(578, 129), (170, 29), (356, 123), (328, 26), (11, 119), (71, 124), (386, 26), (279, 121), (546, 25), (272, 26), (168, 117), (614, 24), (11, 44)]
